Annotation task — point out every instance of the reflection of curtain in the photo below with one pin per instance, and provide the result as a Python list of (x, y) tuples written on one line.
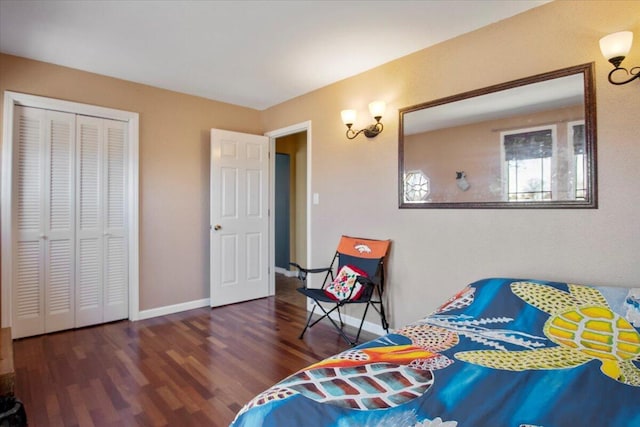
[(578, 139), (528, 145)]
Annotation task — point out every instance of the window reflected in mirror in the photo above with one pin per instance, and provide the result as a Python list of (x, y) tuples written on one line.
[(531, 162)]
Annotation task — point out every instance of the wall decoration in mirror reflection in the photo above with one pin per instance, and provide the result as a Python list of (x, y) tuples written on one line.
[(416, 187), (529, 143)]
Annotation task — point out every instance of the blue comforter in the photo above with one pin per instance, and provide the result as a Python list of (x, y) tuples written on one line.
[(502, 352)]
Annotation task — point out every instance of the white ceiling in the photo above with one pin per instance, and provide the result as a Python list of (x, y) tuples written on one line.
[(250, 53)]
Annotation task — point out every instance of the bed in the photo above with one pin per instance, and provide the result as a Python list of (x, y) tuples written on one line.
[(501, 352)]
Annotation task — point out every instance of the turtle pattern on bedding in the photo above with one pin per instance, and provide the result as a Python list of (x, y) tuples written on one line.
[(501, 352)]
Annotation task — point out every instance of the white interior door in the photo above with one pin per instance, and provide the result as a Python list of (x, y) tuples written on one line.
[(239, 217), (42, 299), (102, 286)]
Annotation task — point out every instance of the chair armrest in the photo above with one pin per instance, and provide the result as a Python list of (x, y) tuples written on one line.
[(366, 281), (370, 285), (302, 272), (309, 270)]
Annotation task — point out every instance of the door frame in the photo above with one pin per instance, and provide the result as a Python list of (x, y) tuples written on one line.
[(13, 99), (273, 135)]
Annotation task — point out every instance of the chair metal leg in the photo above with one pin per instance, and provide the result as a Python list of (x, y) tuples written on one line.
[(383, 318), (341, 331), (327, 314), (340, 317), (308, 321), (361, 323)]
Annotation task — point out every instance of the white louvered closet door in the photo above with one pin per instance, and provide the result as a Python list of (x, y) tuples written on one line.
[(43, 289), (116, 273), (101, 255)]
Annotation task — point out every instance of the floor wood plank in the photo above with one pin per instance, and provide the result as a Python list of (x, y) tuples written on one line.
[(190, 369)]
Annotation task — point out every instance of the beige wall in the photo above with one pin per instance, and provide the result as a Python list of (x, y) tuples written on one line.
[(436, 252), (174, 168)]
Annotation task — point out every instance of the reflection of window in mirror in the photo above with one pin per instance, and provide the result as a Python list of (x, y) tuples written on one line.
[(530, 163), (575, 131), (416, 187)]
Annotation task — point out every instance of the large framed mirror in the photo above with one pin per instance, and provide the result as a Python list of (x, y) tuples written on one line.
[(528, 143)]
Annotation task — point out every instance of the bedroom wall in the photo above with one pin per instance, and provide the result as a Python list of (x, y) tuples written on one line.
[(436, 252), (174, 167)]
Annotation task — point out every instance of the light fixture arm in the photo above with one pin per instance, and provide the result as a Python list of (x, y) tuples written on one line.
[(369, 132), (615, 48), (634, 73), (376, 108)]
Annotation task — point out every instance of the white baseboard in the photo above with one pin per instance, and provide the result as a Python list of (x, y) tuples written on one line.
[(285, 272), (171, 309), (374, 328)]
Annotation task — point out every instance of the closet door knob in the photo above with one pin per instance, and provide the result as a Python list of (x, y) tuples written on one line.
[(217, 227)]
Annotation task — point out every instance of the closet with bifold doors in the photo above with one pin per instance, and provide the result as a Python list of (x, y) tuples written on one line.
[(69, 245)]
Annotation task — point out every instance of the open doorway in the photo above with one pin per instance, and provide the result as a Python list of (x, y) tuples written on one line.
[(290, 213)]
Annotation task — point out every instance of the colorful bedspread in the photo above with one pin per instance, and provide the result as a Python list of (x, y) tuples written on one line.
[(502, 352)]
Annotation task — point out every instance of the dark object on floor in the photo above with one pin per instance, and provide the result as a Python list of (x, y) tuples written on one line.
[(12, 413)]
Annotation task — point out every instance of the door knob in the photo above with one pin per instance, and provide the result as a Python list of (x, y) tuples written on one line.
[(217, 227)]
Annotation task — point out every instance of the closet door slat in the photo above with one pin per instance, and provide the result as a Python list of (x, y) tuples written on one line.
[(59, 221), (89, 228), (116, 287), (28, 260)]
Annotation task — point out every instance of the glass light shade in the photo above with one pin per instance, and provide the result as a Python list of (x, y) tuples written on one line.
[(376, 108), (616, 44), (348, 116)]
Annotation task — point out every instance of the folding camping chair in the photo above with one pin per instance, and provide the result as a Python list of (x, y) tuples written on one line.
[(358, 279)]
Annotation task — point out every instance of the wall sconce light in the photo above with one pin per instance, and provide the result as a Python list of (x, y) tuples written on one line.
[(376, 108), (615, 48)]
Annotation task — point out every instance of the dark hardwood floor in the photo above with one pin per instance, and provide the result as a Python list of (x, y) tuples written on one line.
[(193, 368)]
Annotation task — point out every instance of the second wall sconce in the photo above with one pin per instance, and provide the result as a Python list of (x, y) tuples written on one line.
[(376, 108), (615, 48), (461, 181)]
